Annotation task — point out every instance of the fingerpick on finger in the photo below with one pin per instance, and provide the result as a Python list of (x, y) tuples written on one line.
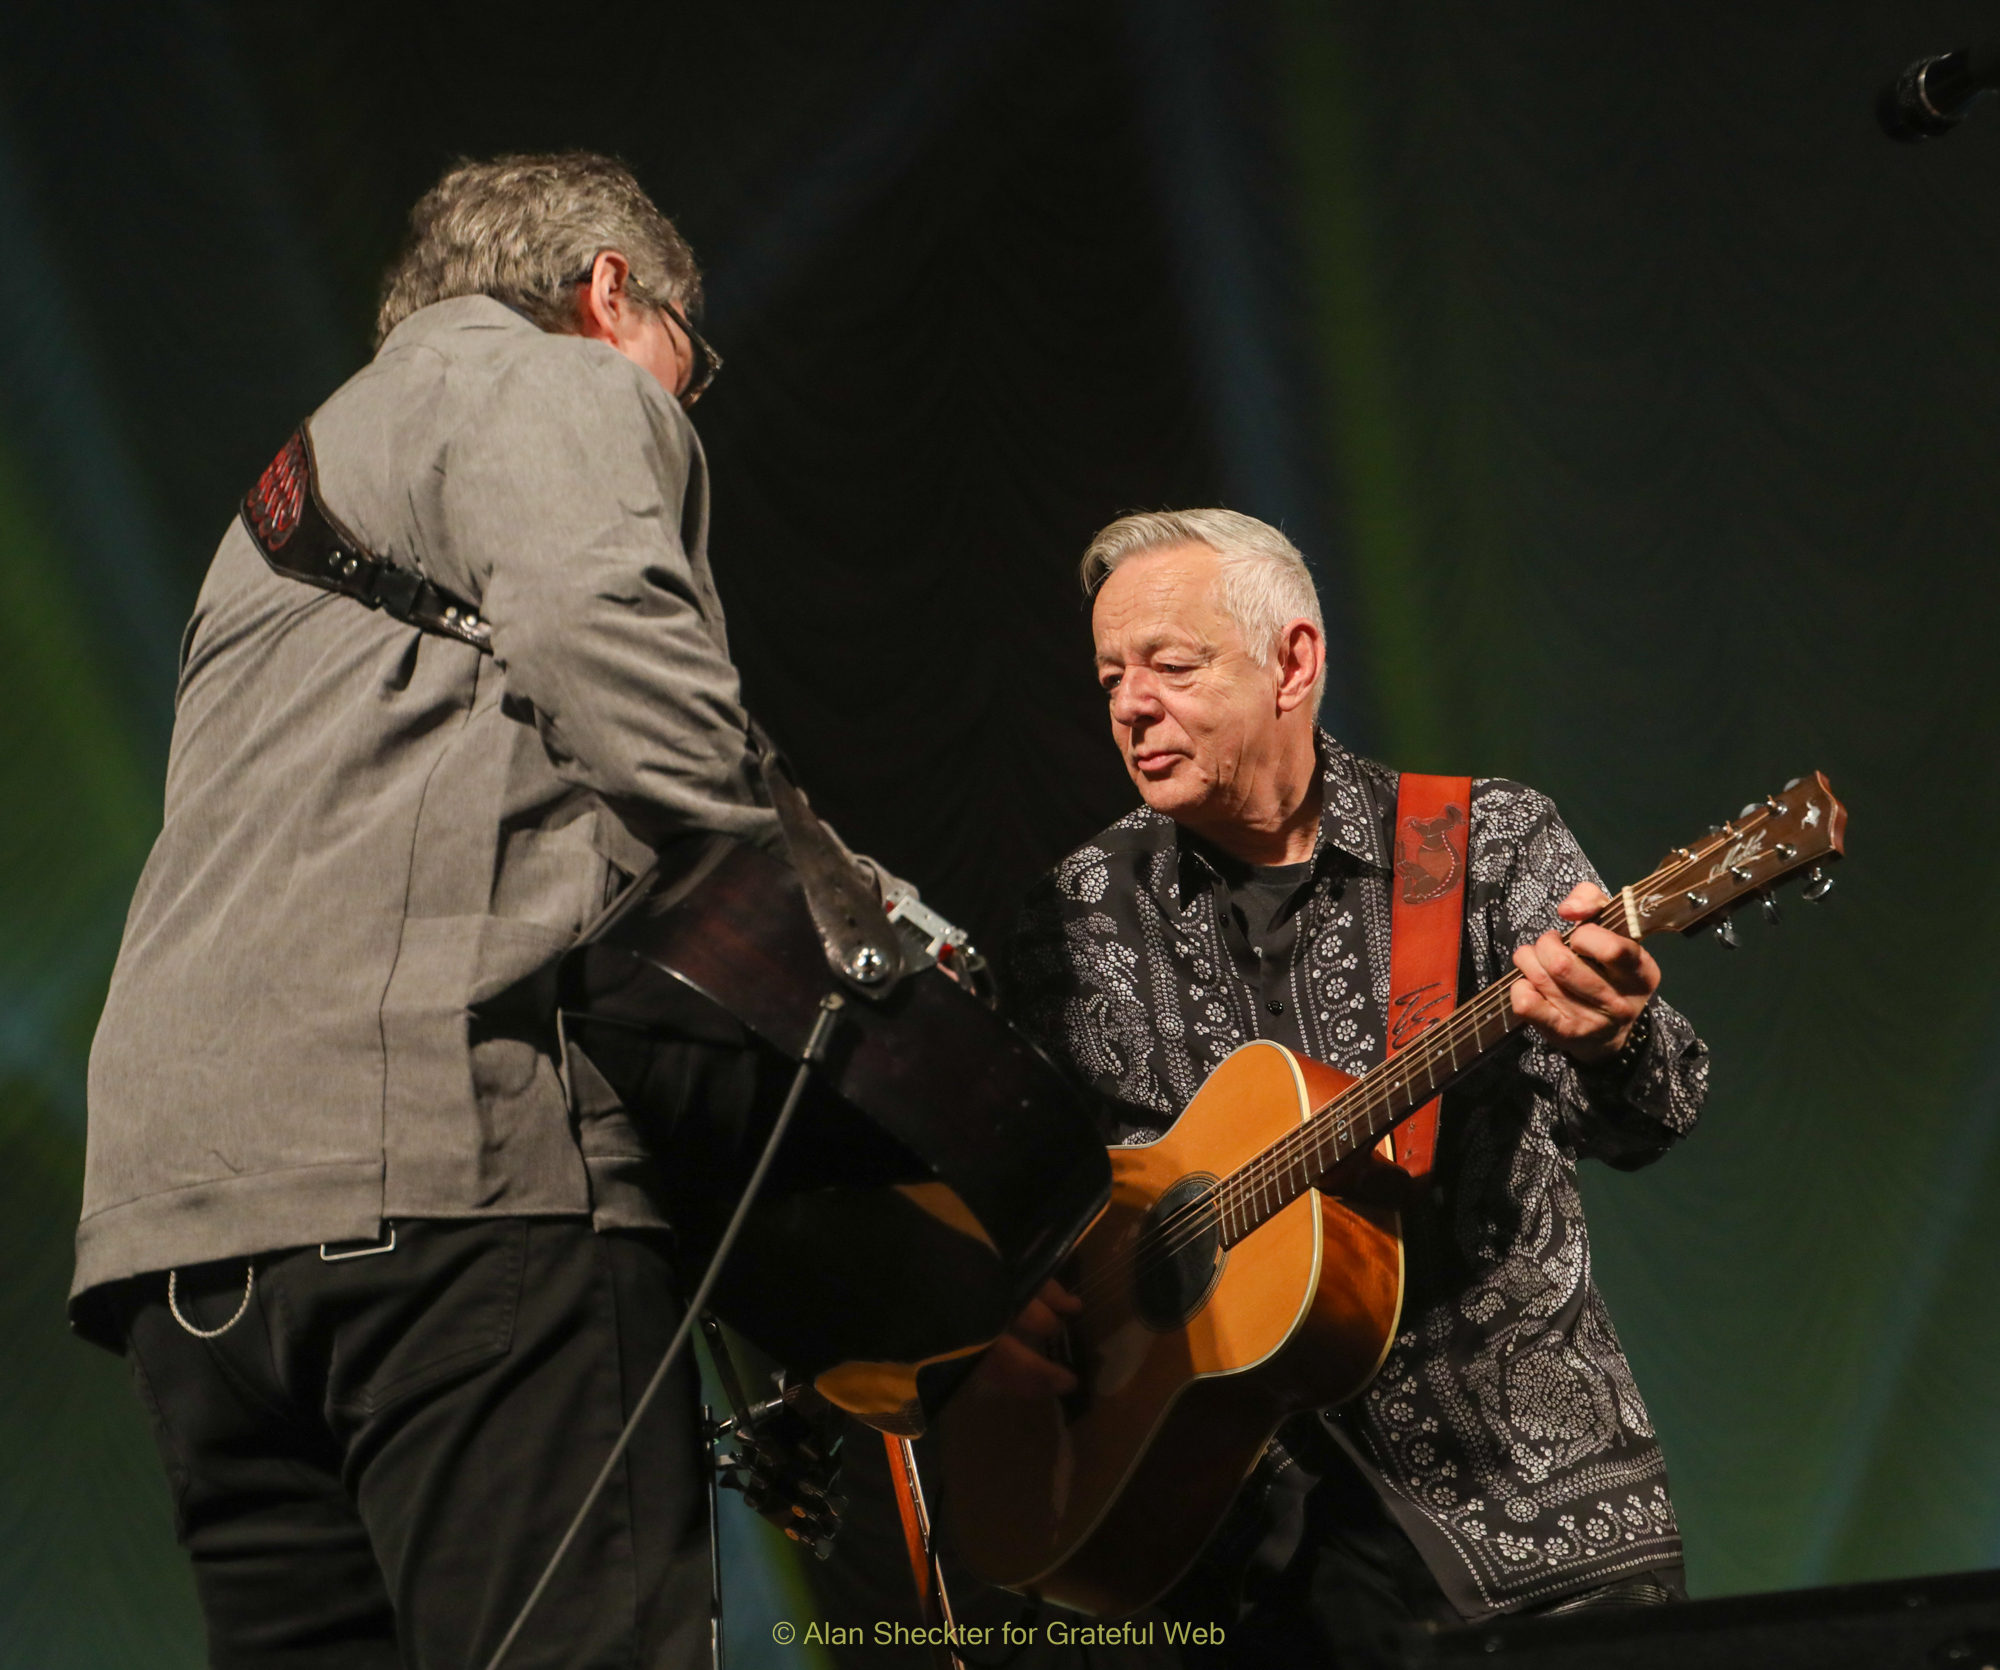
[(1584, 902)]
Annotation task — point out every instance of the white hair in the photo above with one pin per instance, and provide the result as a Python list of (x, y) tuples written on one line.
[(1264, 581)]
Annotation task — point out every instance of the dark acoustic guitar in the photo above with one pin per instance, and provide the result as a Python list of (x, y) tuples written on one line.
[(938, 1170), (1239, 1275)]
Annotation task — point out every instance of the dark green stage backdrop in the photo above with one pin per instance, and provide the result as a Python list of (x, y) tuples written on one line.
[(1638, 404)]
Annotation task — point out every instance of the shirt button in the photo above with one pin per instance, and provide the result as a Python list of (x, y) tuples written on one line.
[(1276, 1006)]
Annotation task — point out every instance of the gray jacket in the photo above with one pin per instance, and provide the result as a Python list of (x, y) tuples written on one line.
[(322, 1014)]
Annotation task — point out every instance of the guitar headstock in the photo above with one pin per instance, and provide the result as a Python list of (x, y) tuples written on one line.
[(1793, 832)]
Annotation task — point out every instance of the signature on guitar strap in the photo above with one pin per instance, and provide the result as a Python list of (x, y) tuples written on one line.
[(1427, 918)]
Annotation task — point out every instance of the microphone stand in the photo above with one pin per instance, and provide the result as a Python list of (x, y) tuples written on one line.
[(1935, 94)]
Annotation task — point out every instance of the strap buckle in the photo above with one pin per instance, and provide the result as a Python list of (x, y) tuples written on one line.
[(301, 539), (356, 1249), (397, 590)]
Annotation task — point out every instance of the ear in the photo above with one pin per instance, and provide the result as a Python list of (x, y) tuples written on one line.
[(605, 305), (1301, 657)]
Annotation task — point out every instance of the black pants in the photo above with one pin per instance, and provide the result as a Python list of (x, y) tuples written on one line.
[(372, 1465)]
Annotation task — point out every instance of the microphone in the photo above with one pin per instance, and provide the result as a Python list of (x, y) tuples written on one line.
[(1935, 94)]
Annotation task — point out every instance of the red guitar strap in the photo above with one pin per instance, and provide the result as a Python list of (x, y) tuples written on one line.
[(1426, 923), (933, 1604)]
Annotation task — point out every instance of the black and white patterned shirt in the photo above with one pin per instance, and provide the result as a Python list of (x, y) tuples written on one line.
[(1504, 1431)]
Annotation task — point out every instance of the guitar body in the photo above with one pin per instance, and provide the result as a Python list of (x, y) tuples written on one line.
[(1187, 1356), (939, 1166), (1190, 1352)]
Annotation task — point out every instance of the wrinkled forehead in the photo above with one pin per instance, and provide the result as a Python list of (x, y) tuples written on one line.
[(1159, 600)]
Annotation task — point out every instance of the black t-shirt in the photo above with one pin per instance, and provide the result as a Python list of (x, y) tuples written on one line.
[(1258, 894), (1263, 891), (1503, 1432)]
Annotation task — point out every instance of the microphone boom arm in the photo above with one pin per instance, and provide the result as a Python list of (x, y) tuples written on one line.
[(1935, 94)]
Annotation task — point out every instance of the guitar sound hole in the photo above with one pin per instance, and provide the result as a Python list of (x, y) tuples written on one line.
[(1180, 1254)]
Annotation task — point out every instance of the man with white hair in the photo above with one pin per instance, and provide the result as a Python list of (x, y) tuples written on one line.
[(387, 1294), (1502, 1459)]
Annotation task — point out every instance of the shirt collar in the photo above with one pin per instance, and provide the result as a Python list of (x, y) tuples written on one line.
[(1352, 820)]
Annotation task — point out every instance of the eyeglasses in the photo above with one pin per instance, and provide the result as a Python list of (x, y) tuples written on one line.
[(707, 362)]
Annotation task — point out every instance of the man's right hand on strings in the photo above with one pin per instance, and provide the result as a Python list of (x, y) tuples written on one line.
[(1018, 1363)]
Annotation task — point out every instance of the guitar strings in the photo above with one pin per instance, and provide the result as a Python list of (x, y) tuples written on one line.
[(1332, 1123), (1356, 1104), (1354, 1107), (1192, 1222), (1244, 1187), (1377, 1089), (1268, 1167)]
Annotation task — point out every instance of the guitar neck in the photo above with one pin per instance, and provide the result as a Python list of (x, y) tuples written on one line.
[(1374, 1104), (1694, 887)]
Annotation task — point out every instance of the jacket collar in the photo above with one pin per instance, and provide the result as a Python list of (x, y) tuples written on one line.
[(455, 314)]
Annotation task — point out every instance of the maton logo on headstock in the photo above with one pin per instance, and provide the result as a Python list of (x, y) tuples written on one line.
[(1741, 852), (1769, 841)]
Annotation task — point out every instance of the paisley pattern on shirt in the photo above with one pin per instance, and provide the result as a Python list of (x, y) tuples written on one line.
[(1505, 1423)]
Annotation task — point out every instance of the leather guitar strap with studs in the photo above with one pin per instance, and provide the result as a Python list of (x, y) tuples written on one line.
[(1426, 923), (301, 539)]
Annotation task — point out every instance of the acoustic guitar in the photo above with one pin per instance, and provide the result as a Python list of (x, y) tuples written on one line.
[(939, 1167), (1239, 1273)]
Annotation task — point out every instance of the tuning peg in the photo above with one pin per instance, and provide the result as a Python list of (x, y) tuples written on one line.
[(1818, 884), (1725, 930), (1751, 808), (1794, 783), (1772, 914)]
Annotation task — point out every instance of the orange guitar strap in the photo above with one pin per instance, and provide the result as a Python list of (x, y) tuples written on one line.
[(1425, 925), (933, 1604)]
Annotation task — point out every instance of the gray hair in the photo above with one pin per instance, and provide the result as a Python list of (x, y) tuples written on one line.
[(1264, 580), (521, 229)]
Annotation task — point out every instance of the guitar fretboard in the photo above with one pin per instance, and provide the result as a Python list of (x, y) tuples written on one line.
[(1369, 1108)]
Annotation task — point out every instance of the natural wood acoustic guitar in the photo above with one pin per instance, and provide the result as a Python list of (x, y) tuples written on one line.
[(1239, 1274)]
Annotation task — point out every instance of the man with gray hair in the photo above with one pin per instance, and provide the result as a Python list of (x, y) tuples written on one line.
[(1502, 1459), (388, 1296)]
